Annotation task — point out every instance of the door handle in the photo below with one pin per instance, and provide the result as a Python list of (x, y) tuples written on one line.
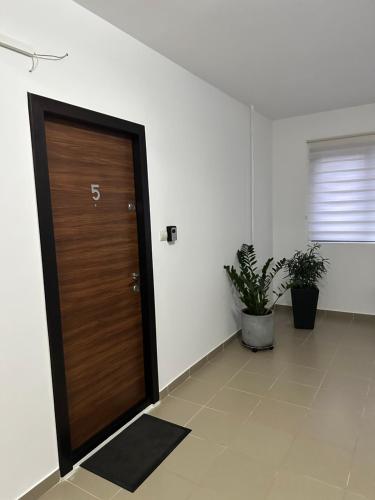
[(135, 286)]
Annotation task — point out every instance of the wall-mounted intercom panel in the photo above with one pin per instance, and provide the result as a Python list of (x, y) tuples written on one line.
[(169, 234)]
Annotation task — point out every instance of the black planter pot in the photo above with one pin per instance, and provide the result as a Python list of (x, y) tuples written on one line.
[(305, 302)]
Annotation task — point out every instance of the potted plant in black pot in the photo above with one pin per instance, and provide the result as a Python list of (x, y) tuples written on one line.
[(253, 287), (305, 270)]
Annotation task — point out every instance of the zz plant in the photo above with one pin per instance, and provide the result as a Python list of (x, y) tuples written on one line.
[(253, 286)]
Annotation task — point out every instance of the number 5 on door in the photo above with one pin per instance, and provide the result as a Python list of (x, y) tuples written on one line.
[(95, 192)]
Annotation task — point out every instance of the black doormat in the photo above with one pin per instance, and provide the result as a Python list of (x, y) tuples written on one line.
[(135, 453)]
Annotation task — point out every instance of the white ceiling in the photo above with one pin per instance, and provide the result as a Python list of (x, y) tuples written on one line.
[(287, 57)]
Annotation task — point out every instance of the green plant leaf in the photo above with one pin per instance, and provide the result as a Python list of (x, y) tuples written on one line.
[(306, 269), (252, 286)]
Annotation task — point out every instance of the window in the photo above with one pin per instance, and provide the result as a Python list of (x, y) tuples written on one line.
[(342, 189)]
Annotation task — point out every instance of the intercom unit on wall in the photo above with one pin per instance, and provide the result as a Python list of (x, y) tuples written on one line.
[(171, 234)]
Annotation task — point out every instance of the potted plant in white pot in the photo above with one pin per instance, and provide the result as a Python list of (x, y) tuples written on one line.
[(305, 270), (253, 287)]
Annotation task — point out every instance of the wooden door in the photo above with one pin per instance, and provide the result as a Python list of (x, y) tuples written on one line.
[(93, 205)]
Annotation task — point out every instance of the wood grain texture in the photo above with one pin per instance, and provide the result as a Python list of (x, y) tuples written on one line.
[(96, 252)]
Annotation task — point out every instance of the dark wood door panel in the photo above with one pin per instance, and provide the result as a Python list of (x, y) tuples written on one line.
[(97, 330), (96, 252)]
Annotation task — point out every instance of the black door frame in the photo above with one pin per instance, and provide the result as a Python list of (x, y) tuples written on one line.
[(39, 108)]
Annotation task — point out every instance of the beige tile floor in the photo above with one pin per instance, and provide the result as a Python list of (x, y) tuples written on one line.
[(297, 423)]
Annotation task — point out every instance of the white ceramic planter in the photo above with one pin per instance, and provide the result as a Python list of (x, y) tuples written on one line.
[(258, 331)]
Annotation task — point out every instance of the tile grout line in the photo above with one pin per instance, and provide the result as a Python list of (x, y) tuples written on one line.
[(225, 447), (205, 406), (334, 357), (219, 389), (83, 489), (326, 373), (355, 447), (308, 409), (277, 378), (242, 368)]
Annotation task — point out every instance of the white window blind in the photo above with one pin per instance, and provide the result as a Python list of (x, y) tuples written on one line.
[(342, 189)]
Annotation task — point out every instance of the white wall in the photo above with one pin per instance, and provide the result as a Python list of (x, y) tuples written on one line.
[(199, 175), (350, 283), (262, 186)]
